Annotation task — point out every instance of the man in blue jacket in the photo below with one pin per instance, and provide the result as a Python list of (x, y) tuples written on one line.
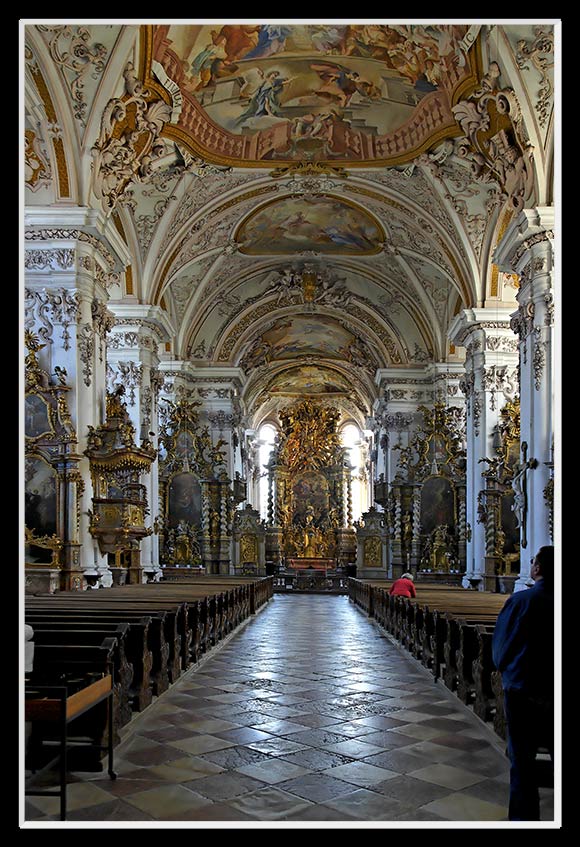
[(523, 651)]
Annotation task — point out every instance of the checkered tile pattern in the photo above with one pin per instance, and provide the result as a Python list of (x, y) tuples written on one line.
[(309, 712)]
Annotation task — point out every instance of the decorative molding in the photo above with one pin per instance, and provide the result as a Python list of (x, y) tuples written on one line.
[(129, 140), (539, 359), (500, 343), (37, 169), (538, 51), (128, 374), (58, 306), (506, 157), (77, 57), (68, 234), (86, 349), (547, 235), (62, 259), (103, 322), (500, 378)]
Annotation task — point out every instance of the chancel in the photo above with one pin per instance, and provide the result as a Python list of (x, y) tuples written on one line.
[(291, 307)]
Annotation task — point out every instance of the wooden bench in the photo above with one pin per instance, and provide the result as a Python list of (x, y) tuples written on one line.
[(73, 667)]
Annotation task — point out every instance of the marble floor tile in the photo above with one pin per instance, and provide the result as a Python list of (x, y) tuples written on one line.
[(447, 776), (201, 744), (462, 807), (270, 804), (273, 771), (347, 728), (167, 800), (366, 805), (224, 786), (361, 773)]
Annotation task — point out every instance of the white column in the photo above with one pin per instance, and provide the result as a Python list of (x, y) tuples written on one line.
[(527, 250), (490, 380), (66, 279), (132, 360)]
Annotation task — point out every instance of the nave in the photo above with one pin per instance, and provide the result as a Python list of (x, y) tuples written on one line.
[(307, 712)]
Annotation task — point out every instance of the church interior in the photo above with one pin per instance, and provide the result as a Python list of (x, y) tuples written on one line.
[(278, 353)]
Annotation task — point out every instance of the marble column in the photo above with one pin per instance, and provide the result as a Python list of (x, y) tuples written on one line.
[(490, 379), (527, 249)]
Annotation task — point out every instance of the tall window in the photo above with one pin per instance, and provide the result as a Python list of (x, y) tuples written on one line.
[(266, 434), (351, 438)]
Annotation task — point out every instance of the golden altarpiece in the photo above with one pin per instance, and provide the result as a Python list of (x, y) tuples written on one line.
[(53, 485), (196, 501), (117, 463), (426, 504), (309, 492), (502, 502)]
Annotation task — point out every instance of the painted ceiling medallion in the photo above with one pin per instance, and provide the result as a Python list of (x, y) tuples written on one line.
[(320, 224), (351, 94)]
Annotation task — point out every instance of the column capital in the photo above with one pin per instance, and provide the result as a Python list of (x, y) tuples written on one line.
[(147, 320), (482, 325), (532, 228)]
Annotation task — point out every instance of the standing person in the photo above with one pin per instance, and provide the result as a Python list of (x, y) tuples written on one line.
[(404, 586), (523, 651)]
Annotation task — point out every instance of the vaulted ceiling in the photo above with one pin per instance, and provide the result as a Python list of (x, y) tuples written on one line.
[(308, 203)]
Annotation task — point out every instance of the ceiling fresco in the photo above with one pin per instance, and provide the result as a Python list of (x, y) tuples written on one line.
[(325, 225), (309, 380), (305, 204), (320, 92)]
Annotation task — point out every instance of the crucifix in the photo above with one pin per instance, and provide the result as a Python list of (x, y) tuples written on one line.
[(520, 486)]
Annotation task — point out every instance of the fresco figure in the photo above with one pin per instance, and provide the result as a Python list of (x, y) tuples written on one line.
[(205, 66), (272, 39), (265, 99)]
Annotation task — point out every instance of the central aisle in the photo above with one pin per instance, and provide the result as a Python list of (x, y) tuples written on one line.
[(308, 713)]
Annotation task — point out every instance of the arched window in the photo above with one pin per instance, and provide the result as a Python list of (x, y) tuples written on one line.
[(351, 437), (266, 434)]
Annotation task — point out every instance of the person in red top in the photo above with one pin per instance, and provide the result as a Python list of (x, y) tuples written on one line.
[(404, 586)]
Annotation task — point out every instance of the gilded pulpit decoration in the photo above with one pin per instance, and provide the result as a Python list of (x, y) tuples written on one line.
[(53, 486), (120, 499), (429, 485)]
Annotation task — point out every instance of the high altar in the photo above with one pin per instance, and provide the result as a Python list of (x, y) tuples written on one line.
[(309, 494)]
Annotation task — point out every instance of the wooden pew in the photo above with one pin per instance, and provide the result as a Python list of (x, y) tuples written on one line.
[(84, 638), (75, 666)]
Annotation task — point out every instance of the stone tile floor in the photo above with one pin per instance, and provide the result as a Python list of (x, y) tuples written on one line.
[(308, 712)]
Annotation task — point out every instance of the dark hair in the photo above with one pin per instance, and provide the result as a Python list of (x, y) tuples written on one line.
[(544, 558)]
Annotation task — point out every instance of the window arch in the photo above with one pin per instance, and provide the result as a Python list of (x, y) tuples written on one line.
[(353, 439), (266, 436)]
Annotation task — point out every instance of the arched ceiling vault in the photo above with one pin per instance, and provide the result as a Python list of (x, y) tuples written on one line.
[(308, 202)]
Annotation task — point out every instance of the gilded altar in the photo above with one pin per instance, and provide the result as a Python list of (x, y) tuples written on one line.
[(53, 486), (427, 507), (501, 502), (196, 498), (309, 504)]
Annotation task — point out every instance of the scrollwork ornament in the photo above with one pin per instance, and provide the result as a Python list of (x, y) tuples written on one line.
[(86, 348), (539, 359), (79, 58), (120, 158), (538, 52)]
